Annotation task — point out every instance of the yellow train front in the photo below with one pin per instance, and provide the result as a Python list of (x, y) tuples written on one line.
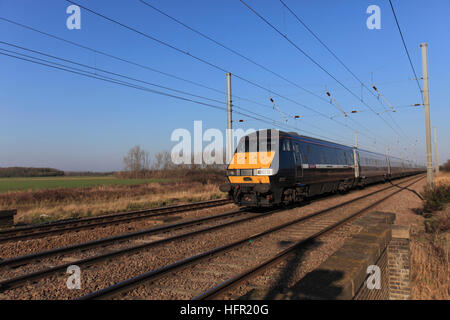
[(252, 170)]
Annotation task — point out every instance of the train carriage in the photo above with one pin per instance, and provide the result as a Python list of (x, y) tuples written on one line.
[(373, 167)]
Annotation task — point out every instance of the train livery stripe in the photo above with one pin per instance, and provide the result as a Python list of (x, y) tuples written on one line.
[(326, 166)]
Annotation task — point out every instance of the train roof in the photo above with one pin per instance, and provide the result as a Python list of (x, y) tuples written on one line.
[(316, 140), (328, 143)]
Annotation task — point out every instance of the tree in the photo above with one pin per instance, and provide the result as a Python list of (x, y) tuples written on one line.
[(446, 166), (163, 161), (137, 159)]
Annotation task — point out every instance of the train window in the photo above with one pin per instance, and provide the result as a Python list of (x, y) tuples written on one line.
[(297, 151), (243, 145), (265, 142), (340, 159), (349, 157), (305, 151), (286, 145), (332, 155), (323, 156), (247, 144), (339, 156), (346, 157), (313, 154), (256, 143)]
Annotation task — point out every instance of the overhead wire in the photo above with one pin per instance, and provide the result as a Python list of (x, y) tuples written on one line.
[(193, 56), (406, 50), (85, 73), (315, 62), (338, 59)]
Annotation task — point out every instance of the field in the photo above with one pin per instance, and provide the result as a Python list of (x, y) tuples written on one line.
[(24, 184), (46, 199)]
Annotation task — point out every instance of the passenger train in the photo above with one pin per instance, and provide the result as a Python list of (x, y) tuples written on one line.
[(268, 171)]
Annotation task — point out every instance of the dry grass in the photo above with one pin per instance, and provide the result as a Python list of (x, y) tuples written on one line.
[(49, 205), (437, 197), (429, 274), (166, 187), (442, 179), (429, 252)]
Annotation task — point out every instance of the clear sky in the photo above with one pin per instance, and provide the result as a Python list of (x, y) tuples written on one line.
[(57, 119)]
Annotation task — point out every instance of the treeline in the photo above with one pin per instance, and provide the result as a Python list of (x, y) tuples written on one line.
[(138, 164), (17, 172), (445, 166), (87, 173)]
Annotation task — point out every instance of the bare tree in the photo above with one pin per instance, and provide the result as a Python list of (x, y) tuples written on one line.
[(446, 166), (137, 159), (159, 158), (163, 161)]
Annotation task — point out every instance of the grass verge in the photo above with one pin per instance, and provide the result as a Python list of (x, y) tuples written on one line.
[(430, 244), (36, 206)]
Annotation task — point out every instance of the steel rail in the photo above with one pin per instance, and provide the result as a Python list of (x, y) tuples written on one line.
[(26, 232), (252, 272), (16, 281), (21, 260), (127, 285)]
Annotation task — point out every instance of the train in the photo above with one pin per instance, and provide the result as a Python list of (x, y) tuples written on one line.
[(271, 167)]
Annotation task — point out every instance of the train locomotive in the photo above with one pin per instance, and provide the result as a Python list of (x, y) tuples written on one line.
[(272, 167)]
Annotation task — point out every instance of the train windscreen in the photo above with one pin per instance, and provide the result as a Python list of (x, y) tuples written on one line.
[(257, 143)]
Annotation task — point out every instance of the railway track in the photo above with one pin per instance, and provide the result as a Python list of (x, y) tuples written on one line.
[(235, 262), (103, 242), (60, 227), (59, 253)]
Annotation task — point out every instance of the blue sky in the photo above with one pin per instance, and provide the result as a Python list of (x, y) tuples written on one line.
[(62, 120)]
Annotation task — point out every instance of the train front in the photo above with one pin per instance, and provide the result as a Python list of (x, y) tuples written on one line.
[(253, 169)]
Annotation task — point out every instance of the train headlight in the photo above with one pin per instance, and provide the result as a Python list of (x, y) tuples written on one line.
[(264, 172), (233, 172)]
